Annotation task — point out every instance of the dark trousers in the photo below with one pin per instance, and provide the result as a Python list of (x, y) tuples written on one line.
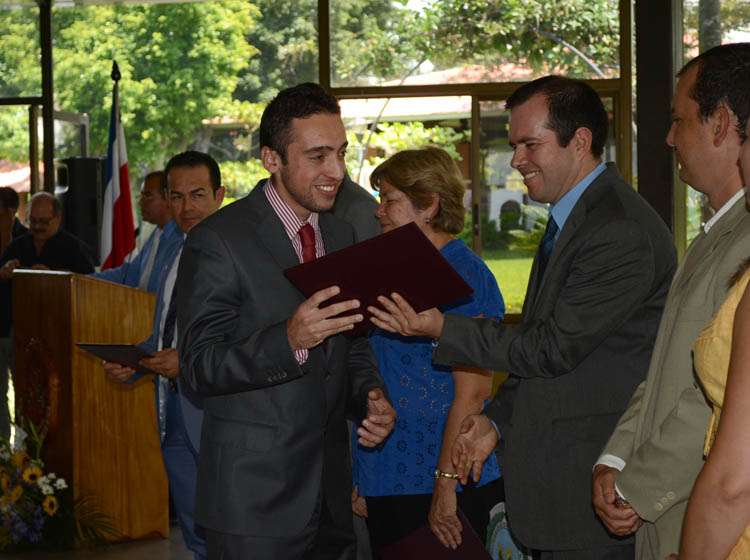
[(390, 518), (181, 464), (322, 539)]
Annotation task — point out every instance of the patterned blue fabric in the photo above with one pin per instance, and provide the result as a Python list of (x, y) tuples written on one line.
[(422, 394)]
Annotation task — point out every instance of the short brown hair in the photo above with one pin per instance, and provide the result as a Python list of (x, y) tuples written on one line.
[(421, 173)]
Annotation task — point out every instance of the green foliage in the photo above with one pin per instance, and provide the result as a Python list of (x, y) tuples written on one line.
[(511, 270), (389, 138), (179, 65), (735, 16), (184, 63), (239, 177), (20, 70), (14, 132), (450, 33)]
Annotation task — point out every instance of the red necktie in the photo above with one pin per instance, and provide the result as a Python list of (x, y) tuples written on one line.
[(307, 236)]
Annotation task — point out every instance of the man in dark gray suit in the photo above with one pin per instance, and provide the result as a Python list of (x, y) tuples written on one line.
[(274, 476), (593, 305)]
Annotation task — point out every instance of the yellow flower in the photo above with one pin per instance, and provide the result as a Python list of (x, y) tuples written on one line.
[(32, 474), (4, 482), (15, 494), (20, 459), (50, 505)]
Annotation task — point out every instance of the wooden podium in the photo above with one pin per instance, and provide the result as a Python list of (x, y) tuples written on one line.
[(102, 437)]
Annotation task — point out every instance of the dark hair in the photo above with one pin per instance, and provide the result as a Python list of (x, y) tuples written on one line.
[(162, 180), (723, 78), (420, 174), (9, 198), (52, 199), (298, 102), (570, 104), (195, 159)]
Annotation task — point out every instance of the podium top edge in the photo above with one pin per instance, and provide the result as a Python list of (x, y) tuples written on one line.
[(49, 272)]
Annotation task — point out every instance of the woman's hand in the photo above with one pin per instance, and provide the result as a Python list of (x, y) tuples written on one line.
[(443, 517)]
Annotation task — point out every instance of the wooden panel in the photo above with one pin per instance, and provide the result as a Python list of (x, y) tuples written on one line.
[(102, 436)]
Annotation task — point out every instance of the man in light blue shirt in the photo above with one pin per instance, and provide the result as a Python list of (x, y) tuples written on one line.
[(595, 297), (145, 269)]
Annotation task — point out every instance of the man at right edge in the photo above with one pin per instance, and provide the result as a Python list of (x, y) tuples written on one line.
[(656, 450)]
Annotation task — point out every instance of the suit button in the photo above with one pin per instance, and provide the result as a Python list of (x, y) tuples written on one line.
[(664, 501), (670, 495), (658, 506)]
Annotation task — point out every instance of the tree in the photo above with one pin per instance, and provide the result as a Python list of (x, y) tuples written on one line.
[(450, 33), (179, 65), (183, 63)]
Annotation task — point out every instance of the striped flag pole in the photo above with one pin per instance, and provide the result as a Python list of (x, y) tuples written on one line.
[(118, 232)]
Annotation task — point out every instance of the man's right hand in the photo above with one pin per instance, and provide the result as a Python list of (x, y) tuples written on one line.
[(118, 372), (477, 438), (310, 325), (7, 270), (620, 520)]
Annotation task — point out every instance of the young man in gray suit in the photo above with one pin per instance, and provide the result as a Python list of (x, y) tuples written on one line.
[(592, 307), (274, 476), (656, 450)]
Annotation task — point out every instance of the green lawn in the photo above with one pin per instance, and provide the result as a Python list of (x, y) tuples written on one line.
[(511, 269)]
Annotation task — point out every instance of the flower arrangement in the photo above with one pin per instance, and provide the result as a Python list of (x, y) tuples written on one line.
[(37, 510)]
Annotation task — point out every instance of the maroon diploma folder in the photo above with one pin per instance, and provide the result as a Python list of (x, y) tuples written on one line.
[(402, 261)]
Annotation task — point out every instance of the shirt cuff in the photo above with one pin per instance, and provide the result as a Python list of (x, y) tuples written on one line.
[(499, 435), (614, 462), (301, 355), (611, 461)]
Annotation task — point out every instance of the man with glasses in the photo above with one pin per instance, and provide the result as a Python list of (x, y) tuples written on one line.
[(46, 246)]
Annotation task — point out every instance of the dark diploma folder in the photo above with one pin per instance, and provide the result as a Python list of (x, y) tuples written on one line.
[(125, 354), (422, 543), (402, 261)]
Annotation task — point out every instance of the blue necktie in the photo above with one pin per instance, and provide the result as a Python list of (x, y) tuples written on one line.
[(548, 242)]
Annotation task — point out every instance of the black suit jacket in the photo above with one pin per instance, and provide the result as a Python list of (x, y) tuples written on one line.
[(274, 432), (581, 349)]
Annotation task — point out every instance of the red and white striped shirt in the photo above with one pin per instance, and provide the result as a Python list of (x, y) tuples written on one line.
[(292, 225)]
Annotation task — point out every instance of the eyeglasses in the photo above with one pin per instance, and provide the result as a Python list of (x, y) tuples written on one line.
[(40, 221)]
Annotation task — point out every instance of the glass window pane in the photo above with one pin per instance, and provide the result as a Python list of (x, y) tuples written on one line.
[(20, 53), (14, 147), (377, 128), (387, 42), (512, 224)]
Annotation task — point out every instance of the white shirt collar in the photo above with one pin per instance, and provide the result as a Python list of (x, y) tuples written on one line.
[(723, 210)]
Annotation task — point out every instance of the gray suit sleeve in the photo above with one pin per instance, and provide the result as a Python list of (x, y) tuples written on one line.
[(610, 278), (364, 376)]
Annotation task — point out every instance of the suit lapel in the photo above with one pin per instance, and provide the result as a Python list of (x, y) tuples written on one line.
[(705, 244), (577, 217), (267, 228)]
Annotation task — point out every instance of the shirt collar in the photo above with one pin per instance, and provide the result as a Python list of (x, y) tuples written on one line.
[(723, 210), (287, 216), (564, 206)]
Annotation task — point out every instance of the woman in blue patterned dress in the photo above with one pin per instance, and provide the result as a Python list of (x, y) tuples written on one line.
[(408, 480)]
